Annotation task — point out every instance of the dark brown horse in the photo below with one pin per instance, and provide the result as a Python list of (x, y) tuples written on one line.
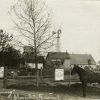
[(85, 77)]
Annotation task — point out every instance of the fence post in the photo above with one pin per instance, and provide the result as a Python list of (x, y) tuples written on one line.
[(70, 79)]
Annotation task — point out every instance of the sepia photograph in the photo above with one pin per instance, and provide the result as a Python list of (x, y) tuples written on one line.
[(49, 50)]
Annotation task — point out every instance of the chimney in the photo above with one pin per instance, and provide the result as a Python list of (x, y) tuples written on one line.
[(67, 55)]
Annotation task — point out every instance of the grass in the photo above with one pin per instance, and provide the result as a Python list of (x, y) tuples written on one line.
[(74, 91)]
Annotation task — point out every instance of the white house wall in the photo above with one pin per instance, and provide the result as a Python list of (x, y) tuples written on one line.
[(32, 65), (67, 65)]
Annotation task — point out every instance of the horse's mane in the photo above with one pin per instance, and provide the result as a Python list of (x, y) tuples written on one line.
[(85, 70), (88, 71), (80, 68)]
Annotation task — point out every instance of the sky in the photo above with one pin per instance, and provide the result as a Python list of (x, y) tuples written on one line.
[(79, 21)]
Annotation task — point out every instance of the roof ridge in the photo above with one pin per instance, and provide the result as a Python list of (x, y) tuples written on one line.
[(71, 53)]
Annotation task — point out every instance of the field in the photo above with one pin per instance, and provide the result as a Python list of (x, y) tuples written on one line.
[(50, 91)]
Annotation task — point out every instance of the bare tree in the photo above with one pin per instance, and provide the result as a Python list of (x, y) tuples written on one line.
[(33, 22)]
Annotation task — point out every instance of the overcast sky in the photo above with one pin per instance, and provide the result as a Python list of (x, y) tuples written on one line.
[(78, 19)]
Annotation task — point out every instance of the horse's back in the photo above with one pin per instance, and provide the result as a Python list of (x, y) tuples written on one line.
[(93, 77)]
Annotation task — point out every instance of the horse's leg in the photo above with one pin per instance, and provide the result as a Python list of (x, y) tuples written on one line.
[(84, 89)]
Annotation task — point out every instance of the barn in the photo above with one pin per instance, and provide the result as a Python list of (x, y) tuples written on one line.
[(66, 60)]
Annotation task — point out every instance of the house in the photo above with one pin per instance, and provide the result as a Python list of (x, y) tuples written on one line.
[(29, 57), (98, 67), (30, 61), (28, 49), (66, 60)]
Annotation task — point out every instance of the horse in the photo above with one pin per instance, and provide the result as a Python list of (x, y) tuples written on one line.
[(85, 76)]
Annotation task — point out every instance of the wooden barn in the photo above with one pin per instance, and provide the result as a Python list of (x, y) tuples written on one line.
[(66, 60), (63, 62)]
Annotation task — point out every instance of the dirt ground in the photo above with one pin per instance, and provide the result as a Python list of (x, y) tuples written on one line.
[(59, 92)]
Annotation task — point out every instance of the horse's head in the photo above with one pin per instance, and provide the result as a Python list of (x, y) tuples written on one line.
[(74, 70)]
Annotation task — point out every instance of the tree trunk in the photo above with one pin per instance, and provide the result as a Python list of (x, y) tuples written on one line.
[(37, 72), (37, 77), (5, 77), (41, 74)]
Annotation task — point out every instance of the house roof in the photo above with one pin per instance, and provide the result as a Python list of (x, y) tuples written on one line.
[(30, 58), (28, 49), (40, 59), (81, 59), (57, 55), (75, 58)]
